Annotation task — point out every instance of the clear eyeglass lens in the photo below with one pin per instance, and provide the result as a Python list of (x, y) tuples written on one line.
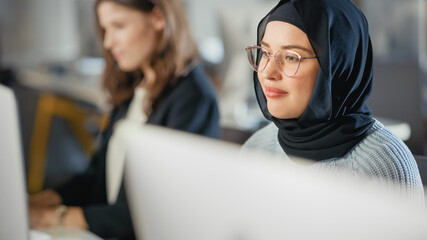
[(288, 62), (253, 54)]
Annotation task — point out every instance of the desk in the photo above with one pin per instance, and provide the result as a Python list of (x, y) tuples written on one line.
[(85, 88)]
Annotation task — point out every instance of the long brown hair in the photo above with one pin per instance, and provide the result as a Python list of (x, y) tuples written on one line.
[(176, 50)]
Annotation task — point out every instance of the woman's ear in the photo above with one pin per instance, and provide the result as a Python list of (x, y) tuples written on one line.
[(158, 19)]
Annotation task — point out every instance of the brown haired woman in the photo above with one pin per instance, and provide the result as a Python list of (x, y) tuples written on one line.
[(152, 75)]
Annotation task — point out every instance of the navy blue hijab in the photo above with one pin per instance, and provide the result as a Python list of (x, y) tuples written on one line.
[(337, 117)]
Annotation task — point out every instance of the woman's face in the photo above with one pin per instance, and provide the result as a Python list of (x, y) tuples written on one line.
[(287, 97), (130, 34)]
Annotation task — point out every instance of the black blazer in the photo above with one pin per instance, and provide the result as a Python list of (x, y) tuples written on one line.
[(189, 106)]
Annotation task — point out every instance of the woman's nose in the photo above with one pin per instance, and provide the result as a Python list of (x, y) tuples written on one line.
[(271, 70), (107, 41)]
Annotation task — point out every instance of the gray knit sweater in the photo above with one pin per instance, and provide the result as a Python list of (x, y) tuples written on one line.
[(381, 155)]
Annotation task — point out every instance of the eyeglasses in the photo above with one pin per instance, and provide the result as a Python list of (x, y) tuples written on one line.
[(287, 61)]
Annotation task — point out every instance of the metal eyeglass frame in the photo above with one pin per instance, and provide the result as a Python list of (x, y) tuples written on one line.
[(249, 48)]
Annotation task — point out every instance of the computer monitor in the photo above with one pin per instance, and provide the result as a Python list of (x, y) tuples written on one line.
[(13, 201), (14, 218), (182, 186)]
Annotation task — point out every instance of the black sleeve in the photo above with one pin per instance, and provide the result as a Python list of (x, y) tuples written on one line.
[(89, 187), (88, 190), (111, 221)]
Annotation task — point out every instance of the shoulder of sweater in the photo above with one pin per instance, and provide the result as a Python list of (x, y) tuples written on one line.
[(383, 154), (382, 141)]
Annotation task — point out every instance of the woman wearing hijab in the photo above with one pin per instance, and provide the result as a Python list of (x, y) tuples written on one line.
[(312, 75), (152, 75)]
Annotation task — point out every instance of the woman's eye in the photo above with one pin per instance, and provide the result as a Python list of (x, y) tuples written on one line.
[(290, 58), (118, 25)]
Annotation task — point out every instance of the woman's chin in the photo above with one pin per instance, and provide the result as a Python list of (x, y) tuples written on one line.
[(127, 67), (280, 114)]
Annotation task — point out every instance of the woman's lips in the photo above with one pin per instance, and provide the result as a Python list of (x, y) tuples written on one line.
[(272, 92), (116, 55)]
